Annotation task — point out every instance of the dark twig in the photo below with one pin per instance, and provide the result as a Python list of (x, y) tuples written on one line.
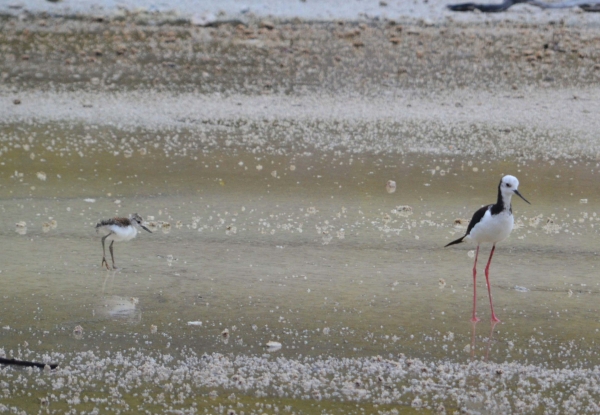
[(486, 8), (586, 5), (592, 8), (565, 4), (16, 362)]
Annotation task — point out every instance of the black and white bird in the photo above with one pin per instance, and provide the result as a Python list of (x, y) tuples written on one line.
[(491, 224), (119, 229)]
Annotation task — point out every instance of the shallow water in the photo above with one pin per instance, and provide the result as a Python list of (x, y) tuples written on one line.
[(308, 250)]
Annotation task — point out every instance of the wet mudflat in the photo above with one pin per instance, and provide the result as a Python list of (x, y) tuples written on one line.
[(281, 229), (311, 252)]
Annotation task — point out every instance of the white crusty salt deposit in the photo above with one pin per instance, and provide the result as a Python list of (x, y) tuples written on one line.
[(182, 383)]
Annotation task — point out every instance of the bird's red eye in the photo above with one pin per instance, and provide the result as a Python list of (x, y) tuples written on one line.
[(507, 184)]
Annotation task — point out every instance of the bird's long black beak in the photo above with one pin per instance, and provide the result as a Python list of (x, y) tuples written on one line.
[(521, 196), (146, 229)]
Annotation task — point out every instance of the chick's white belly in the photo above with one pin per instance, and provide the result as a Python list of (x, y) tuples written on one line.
[(492, 229), (122, 234)]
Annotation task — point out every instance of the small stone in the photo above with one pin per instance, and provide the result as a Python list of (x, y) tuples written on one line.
[(461, 223), (267, 25), (204, 19)]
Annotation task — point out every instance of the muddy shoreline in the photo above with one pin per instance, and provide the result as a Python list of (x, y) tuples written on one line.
[(500, 89), (266, 57)]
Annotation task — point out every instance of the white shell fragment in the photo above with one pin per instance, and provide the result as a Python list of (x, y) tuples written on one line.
[(273, 346), (78, 332), (21, 227), (390, 186), (403, 210)]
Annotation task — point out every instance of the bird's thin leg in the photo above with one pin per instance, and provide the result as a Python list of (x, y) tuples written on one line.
[(112, 256), (474, 319), (104, 262), (489, 287)]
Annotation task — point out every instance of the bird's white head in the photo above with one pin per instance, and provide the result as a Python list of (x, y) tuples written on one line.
[(509, 185), (137, 219)]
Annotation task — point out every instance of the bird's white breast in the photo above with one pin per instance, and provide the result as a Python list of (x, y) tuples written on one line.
[(122, 233), (492, 228)]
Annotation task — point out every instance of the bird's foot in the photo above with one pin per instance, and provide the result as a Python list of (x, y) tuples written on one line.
[(104, 262), (475, 319), (495, 319)]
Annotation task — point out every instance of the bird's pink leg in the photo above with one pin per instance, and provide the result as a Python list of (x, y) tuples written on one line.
[(474, 319), (489, 287)]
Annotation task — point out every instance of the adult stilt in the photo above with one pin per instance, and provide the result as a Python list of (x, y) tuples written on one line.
[(491, 224)]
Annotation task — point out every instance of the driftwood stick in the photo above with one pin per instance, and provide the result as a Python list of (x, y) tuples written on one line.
[(16, 362), (486, 8), (586, 5), (564, 5)]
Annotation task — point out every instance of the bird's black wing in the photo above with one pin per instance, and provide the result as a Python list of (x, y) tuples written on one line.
[(477, 216)]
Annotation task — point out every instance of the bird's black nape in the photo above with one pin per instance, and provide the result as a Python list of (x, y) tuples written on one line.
[(459, 240)]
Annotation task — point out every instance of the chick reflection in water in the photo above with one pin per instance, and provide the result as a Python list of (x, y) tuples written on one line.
[(119, 229), (119, 308)]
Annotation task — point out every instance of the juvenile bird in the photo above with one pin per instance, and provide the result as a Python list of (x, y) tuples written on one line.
[(119, 229)]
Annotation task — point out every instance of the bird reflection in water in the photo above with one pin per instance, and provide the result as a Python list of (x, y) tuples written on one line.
[(488, 343)]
